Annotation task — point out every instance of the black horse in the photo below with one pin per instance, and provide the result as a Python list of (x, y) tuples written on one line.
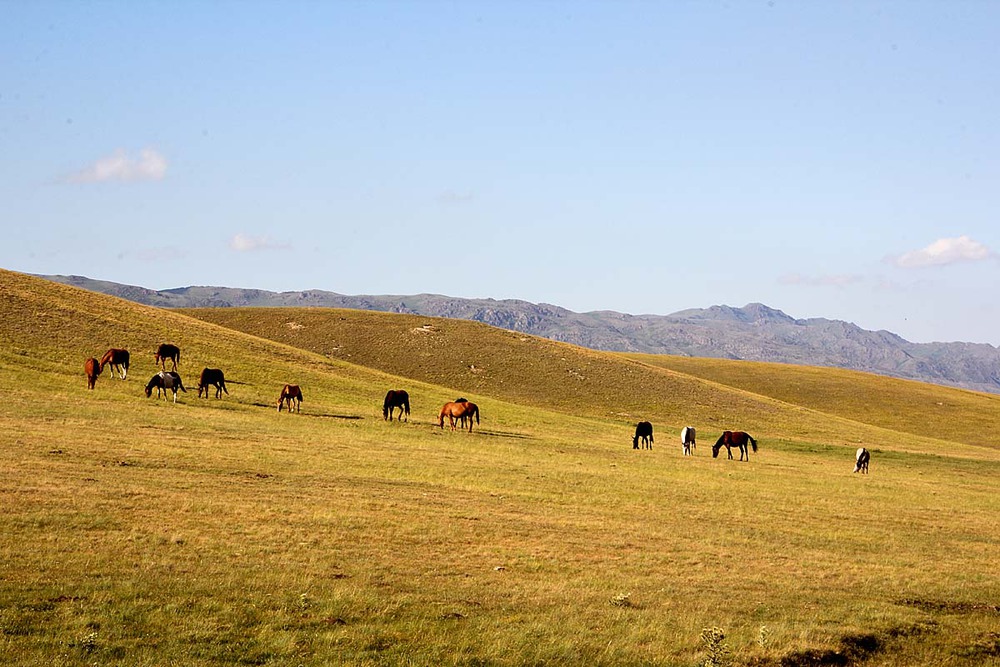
[(212, 377), (730, 439), (396, 398), (165, 380), (167, 351), (643, 430)]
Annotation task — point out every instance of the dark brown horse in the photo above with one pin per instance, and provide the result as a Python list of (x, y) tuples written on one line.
[(212, 377), (396, 398), (458, 410), (93, 368), (730, 439), (167, 351), (118, 358), (643, 430), (165, 380), (290, 393)]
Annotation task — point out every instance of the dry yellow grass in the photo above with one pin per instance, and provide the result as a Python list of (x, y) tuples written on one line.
[(137, 532)]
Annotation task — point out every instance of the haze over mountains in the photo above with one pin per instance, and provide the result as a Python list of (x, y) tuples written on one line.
[(754, 332)]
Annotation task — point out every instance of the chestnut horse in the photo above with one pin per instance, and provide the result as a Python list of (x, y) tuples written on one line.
[(212, 377), (167, 351), (290, 393), (731, 439), (396, 398), (165, 380), (118, 358), (458, 410), (93, 368), (643, 430)]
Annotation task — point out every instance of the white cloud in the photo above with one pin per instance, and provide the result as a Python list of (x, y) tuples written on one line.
[(150, 165), (842, 280), (942, 252), (247, 243)]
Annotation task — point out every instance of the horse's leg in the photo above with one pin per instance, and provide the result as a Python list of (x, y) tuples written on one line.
[(730, 451)]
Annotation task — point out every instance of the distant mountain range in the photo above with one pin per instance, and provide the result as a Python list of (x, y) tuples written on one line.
[(754, 332)]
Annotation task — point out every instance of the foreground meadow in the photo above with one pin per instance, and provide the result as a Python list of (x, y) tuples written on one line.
[(138, 532)]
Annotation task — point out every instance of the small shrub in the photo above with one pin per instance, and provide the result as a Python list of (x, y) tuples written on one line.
[(763, 636), (716, 649), (622, 600)]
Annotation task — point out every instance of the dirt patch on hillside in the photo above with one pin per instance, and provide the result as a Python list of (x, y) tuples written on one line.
[(853, 649), (950, 607)]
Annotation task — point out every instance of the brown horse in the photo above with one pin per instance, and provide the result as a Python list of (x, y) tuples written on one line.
[(118, 358), (167, 351), (212, 377), (458, 410), (290, 393), (730, 439), (93, 368), (396, 398)]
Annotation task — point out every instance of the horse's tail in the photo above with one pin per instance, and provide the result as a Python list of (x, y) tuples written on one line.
[(441, 418), (406, 404), (476, 411), (753, 443)]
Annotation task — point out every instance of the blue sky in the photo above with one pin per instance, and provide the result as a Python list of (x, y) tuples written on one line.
[(830, 159)]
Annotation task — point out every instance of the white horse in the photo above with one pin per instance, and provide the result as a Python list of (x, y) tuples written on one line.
[(861, 460), (688, 440)]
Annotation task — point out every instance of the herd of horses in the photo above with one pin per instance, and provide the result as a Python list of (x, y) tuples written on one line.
[(741, 440), (460, 412)]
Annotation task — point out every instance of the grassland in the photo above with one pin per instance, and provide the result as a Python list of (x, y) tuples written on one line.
[(138, 532)]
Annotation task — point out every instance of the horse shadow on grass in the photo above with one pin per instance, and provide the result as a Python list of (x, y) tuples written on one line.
[(314, 415)]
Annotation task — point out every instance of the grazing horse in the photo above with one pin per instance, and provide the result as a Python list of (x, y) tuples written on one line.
[(688, 440), (93, 368), (459, 410), (167, 351), (396, 398), (290, 393), (861, 460), (212, 377), (118, 358), (731, 439), (165, 380), (643, 430)]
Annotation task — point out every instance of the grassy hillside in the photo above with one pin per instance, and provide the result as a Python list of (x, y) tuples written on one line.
[(905, 406), (838, 407), (138, 532)]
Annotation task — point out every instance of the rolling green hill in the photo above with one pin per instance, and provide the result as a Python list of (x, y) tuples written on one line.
[(134, 531)]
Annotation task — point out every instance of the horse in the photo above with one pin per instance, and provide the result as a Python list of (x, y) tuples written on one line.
[(118, 358), (290, 393), (861, 460), (396, 398), (93, 369), (165, 380), (210, 377), (688, 435), (458, 410), (643, 430), (734, 439), (167, 351), (463, 418)]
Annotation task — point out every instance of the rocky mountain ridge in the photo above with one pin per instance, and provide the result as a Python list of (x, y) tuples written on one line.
[(754, 332)]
